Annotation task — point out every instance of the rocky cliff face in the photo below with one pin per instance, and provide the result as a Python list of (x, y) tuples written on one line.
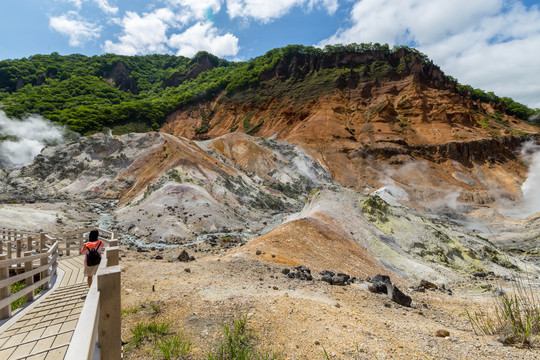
[(120, 77), (202, 65), (363, 117)]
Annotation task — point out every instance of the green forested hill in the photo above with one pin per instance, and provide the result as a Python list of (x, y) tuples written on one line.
[(136, 93)]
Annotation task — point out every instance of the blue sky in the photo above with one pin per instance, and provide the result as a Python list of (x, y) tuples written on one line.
[(490, 44)]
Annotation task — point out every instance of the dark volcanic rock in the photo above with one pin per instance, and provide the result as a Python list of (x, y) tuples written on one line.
[(340, 279), (301, 272), (380, 278), (184, 256), (427, 285), (327, 278), (397, 296), (378, 287)]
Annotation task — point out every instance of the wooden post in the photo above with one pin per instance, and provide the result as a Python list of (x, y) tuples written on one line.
[(5, 291), (29, 245), (9, 249), (19, 249), (68, 240), (112, 256), (44, 260), (109, 324), (29, 281)]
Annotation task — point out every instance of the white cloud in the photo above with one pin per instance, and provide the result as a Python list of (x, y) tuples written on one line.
[(77, 3), (72, 25), (142, 34), (195, 9), (266, 11), (490, 44), (106, 7), (102, 4), (203, 36)]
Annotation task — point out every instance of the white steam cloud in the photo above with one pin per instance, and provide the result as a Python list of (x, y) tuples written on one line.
[(531, 195), (22, 140)]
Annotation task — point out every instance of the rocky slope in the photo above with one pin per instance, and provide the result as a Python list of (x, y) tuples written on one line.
[(355, 165), (362, 118)]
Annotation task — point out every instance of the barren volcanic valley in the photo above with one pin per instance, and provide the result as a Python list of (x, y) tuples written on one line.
[(281, 203)]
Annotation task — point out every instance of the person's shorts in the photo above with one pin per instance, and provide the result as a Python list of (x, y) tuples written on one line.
[(90, 270)]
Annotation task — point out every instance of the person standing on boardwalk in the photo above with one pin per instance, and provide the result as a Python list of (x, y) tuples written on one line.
[(92, 249)]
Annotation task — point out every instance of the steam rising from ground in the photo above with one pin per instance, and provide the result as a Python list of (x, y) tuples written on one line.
[(22, 140), (531, 195), (413, 176)]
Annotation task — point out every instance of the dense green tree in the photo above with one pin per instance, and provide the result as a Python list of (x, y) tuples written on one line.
[(89, 94)]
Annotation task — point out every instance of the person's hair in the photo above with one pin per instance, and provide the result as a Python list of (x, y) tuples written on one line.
[(93, 236)]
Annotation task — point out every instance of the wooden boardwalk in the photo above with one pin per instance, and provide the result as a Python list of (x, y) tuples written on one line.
[(45, 329)]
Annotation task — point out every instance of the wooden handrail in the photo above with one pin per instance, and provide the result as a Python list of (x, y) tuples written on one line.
[(7, 301), (16, 243), (24, 275), (19, 260), (98, 330)]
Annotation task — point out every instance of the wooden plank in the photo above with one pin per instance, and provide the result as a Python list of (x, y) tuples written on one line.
[(29, 281), (57, 353), (9, 262), (83, 341), (22, 276), (22, 350), (5, 311), (8, 300), (43, 344), (112, 254), (63, 339), (109, 323)]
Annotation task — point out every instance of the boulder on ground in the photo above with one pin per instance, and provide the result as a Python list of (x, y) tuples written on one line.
[(397, 296), (184, 256)]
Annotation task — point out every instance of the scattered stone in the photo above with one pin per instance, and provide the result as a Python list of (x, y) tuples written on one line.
[(397, 296), (340, 279), (378, 288), (428, 285), (380, 278), (301, 272), (275, 288), (285, 271), (327, 278), (317, 342), (337, 305), (495, 343), (387, 305), (258, 252), (158, 257), (327, 272), (442, 333), (479, 274), (188, 270), (381, 284), (184, 256)]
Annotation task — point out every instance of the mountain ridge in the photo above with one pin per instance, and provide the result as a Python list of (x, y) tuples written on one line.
[(89, 94)]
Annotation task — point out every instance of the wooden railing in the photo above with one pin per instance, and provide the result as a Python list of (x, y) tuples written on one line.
[(98, 331), (24, 255)]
